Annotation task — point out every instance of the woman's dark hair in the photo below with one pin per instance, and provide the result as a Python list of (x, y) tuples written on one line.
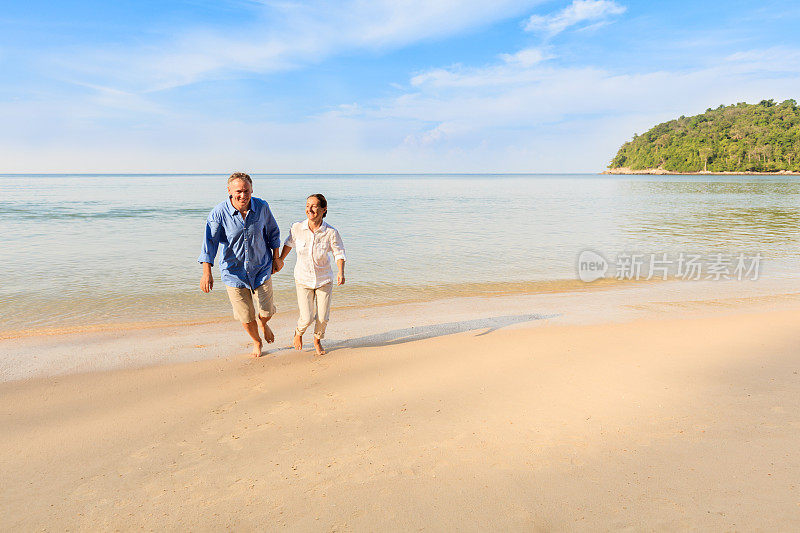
[(323, 203)]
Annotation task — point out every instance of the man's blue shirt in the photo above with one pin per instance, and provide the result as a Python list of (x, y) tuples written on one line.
[(246, 244)]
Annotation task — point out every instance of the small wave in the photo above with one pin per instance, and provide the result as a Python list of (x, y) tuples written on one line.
[(65, 213)]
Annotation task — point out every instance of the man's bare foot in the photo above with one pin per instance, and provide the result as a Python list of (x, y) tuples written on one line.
[(318, 347), (256, 350), (268, 335), (298, 342)]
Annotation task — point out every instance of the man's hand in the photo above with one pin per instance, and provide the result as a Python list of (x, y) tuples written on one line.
[(340, 278), (207, 281), (277, 265)]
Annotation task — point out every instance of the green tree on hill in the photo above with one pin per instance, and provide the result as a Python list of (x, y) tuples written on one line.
[(763, 137)]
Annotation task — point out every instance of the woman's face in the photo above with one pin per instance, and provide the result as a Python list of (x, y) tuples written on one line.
[(313, 211)]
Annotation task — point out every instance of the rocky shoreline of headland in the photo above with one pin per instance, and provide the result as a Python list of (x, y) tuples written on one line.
[(661, 171)]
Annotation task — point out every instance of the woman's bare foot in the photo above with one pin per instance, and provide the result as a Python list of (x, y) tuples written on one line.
[(318, 347), (256, 350), (268, 335), (298, 342)]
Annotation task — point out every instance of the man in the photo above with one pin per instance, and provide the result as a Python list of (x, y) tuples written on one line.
[(250, 240)]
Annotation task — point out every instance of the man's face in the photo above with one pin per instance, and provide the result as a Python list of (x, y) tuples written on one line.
[(240, 192)]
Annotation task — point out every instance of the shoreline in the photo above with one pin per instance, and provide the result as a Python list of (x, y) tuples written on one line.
[(429, 294), (671, 422), (662, 172), (113, 348)]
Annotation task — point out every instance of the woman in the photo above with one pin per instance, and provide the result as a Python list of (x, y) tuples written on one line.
[(315, 241)]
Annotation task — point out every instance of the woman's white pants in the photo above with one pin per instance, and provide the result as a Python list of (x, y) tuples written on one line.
[(314, 303)]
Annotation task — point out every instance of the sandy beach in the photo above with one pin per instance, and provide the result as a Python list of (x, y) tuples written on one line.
[(658, 421), (530, 323)]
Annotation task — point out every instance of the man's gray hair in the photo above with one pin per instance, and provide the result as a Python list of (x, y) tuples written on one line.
[(240, 176)]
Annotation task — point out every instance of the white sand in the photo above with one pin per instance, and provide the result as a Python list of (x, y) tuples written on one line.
[(629, 422)]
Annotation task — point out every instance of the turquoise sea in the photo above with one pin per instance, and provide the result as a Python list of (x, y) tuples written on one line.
[(84, 250)]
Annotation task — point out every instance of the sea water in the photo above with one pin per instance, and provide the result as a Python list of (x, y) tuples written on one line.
[(84, 250)]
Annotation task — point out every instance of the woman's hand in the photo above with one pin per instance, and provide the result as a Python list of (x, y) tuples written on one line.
[(340, 267)]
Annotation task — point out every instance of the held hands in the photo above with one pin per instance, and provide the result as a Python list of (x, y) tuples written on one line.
[(277, 265)]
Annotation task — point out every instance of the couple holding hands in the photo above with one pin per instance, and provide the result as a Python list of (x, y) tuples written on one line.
[(251, 253)]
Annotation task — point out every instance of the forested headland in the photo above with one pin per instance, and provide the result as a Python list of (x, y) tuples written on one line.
[(763, 137)]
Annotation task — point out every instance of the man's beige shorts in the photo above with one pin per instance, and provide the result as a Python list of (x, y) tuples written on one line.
[(244, 305)]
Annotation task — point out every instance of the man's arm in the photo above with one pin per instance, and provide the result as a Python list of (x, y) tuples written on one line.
[(207, 281), (209, 252), (272, 236)]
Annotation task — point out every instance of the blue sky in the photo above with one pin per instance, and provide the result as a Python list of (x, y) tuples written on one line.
[(371, 86)]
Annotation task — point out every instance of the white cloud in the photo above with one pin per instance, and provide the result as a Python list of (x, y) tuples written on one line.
[(511, 117), (776, 59), (431, 137), (515, 69), (522, 112), (508, 116), (576, 13), (285, 35), (526, 57)]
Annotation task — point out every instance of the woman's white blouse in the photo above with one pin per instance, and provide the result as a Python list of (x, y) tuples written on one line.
[(313, 268)]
